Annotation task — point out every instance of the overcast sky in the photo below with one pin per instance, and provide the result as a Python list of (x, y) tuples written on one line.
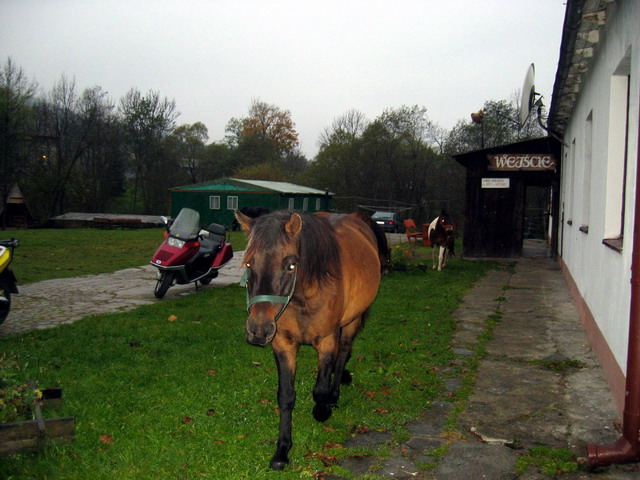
[(317, 59)]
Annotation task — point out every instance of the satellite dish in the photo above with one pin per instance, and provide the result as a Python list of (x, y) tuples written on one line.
[(528, 99)]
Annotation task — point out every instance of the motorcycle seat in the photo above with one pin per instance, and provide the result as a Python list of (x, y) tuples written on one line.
[(217, 233), (210, 245)]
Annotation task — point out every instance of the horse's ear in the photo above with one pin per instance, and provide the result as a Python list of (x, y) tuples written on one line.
[(294, 225), (245, 222)]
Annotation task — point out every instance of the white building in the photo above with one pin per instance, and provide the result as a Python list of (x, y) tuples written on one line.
[(594, 110)]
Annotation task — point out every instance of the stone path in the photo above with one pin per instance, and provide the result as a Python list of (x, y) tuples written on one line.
[(518, 402), (55, 302)]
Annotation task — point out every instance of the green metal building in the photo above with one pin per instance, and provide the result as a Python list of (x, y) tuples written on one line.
[(217, 200)]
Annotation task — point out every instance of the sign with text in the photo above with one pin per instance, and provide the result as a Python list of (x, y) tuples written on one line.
[(530, 162), (495, 183)]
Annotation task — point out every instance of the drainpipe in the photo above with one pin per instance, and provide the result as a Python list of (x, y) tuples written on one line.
[(627, 448)]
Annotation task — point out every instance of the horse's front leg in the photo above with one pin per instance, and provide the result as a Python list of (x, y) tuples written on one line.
[(443, 257), (285, 355), (327, 348), (434, 249)]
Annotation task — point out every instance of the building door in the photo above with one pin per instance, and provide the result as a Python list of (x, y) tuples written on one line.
[(537, 222)]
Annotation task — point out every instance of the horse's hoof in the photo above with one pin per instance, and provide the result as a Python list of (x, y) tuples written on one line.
[(279, 464), (322, 412)]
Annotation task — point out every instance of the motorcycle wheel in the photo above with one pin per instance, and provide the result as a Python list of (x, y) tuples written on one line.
[(5, 307), (163, 284), (207, 280)]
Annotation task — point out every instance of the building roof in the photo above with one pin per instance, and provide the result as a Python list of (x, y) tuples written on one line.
[(532, 145), (583, 30), (236, 184), (14, 196)]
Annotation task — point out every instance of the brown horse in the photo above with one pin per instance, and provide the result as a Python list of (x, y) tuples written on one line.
[(442, 234), (310, 281)]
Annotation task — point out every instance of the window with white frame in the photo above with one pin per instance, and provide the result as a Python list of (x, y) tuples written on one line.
[(232, 203), (214, 202), (617, 153), (292, 203), (569, 169), (318, 204), (587, 160), (305, 204)]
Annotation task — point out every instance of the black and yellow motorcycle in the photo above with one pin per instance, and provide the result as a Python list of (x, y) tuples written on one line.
[(7, 278)]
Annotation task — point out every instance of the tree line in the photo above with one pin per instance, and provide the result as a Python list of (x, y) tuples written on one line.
[(72, 150)]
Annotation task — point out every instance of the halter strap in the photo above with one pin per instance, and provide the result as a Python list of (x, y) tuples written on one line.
[(244, 282)]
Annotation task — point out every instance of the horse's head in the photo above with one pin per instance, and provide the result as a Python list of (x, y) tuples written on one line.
[(445, 221), (271, 258)]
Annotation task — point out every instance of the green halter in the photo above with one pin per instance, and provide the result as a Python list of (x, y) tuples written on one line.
[(244, 282)]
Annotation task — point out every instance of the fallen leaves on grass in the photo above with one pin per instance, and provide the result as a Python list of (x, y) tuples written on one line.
[(327, 460), (106, 439), (329, 445), (172, 318)]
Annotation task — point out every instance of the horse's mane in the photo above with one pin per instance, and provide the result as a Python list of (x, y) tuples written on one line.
[(317, 246)]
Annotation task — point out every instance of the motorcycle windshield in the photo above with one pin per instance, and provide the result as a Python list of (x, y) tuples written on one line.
[(186, 224)]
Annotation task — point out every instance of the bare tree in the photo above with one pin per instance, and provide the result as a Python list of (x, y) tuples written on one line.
[(99, 174), (16, 115), (351, 124), (191, 144), (70, 122), (148, 120)]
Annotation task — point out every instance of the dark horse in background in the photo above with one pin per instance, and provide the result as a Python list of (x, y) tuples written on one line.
[(384, 254), (253, 212), (442, 234), (310, 281)]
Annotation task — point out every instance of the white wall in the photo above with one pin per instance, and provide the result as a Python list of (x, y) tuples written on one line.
[(591, 192)]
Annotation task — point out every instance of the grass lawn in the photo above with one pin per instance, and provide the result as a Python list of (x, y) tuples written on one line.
[(61, 253), (172, 390)]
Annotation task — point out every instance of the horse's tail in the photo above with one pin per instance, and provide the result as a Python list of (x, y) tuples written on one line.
[(381, 239)]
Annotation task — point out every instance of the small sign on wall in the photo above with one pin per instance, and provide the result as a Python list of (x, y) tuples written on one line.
[(495, 183)]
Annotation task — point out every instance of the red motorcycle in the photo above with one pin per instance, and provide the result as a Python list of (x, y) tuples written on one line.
[(189, 253)]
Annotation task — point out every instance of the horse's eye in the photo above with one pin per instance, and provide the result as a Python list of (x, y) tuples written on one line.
[(291, 267), (248, 264)]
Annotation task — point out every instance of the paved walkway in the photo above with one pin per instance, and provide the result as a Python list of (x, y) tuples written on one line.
[(538, 385), (55, 302)]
